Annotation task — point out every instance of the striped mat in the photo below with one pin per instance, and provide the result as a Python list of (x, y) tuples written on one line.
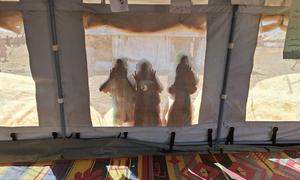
[(252, 165)]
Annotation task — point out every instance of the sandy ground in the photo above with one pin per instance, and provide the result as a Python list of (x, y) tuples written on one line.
[(274, 88), (275, 99), (17, 104)]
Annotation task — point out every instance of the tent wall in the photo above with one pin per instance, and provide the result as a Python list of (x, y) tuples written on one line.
[(239, 73), (70, 28), (38, 39), (73, 68), (216, 51), (74, 73), (240, 67)]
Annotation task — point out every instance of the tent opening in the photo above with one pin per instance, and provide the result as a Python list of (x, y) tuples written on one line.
[(145, 99), (17, 88), (275, 82)]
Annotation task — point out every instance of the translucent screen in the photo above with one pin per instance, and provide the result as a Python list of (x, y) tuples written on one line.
[(147, 79), (17, 88), (275, 82)]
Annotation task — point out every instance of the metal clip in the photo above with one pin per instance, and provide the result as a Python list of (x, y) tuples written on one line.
[(55, 47), (60, 100), (224, 96)]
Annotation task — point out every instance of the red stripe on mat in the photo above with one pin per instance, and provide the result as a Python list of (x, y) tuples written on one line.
[(145, 169)]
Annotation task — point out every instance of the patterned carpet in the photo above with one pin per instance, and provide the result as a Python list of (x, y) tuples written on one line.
[(254, 165)]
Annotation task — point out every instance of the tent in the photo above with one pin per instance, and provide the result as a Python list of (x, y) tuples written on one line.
[(51, 105)]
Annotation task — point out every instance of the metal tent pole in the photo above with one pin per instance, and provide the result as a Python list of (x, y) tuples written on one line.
[(225, 77), (55, 49)]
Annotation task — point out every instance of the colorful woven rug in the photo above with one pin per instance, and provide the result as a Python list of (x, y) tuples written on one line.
[(254, 165)]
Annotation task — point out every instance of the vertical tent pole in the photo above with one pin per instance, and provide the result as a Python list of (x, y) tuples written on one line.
[(57, 67), (225, 77)]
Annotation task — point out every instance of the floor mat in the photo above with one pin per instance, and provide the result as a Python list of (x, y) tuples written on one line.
[(252, 165)]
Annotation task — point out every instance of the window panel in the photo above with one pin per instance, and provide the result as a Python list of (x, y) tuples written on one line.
[(17, 88), (275, 82), (145, 100)]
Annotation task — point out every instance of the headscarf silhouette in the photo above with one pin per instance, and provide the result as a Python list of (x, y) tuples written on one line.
[(147, 109), (180, 113), (122, 92)]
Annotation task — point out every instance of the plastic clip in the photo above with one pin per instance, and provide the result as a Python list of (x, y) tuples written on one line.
[(274, 135), (209, 137), (230, 136), (13, 136)]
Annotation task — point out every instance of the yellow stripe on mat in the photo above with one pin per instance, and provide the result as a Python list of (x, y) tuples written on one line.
[(263, 165), (118, 168), (140, 167), (170, 167), (271, 166), (128, 174), (231, 157), (198, 159), (80, 166), (37, 170), (181, 165)]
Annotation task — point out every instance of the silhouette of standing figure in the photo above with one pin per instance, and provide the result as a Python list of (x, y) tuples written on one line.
[(180, 113), (147, 98), (122, 92)]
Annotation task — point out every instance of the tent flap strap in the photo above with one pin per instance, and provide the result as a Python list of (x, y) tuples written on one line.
[(274, 135), (55, 49)]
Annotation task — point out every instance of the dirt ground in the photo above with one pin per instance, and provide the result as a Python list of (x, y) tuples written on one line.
[(274, 88), (17, 103)]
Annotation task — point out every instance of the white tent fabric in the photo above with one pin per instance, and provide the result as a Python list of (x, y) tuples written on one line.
[(74, 73)]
